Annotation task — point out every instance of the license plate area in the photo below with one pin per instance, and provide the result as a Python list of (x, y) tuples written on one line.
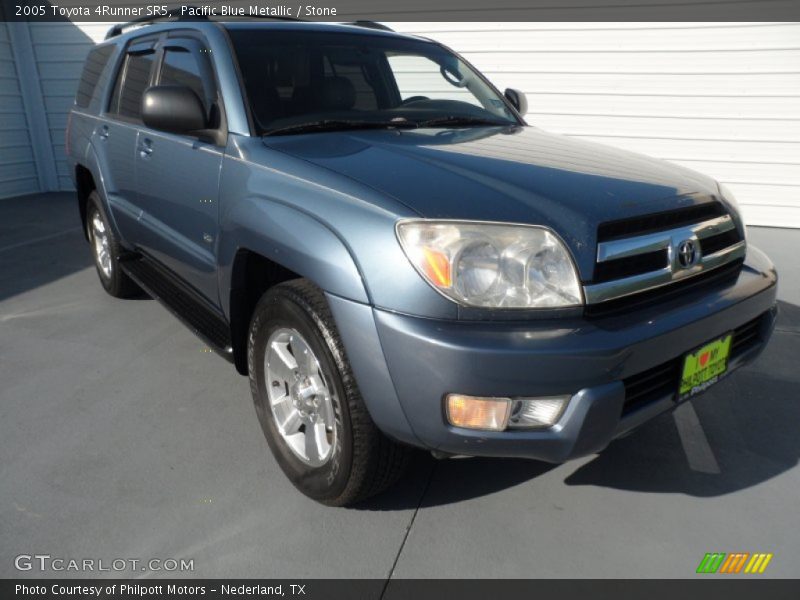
[(704, 366)]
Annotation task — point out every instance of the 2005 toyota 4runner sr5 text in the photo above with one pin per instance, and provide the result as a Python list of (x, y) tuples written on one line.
[(369, 231)]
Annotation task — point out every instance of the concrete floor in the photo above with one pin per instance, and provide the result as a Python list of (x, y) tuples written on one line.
[(121, 437)]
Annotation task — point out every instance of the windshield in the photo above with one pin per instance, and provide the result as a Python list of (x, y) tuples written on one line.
[(300, 81)]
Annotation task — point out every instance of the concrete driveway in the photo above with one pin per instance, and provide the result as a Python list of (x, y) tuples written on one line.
[(121, 436)]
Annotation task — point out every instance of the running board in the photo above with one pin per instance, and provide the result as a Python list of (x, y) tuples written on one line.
[(183, 303)]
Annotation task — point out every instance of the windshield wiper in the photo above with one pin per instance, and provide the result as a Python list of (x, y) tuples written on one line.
[(456, 121), (345, 124), (340, 125)]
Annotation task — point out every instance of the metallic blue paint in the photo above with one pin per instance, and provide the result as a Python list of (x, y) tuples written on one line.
[(514, 175), (359, 334)]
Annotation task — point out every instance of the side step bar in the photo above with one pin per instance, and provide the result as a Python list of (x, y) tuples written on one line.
[(182, 302)]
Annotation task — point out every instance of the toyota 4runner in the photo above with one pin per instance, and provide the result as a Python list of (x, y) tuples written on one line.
[(367, 229)]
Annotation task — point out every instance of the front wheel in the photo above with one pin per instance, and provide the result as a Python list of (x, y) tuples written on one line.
[(308, 403)]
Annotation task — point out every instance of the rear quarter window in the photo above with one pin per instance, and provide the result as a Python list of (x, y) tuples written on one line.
[(96, 62)]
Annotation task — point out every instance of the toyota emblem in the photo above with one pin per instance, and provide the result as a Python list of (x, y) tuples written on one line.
[(687, 253)]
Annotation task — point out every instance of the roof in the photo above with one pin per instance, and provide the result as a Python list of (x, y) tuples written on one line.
[(358, 27)]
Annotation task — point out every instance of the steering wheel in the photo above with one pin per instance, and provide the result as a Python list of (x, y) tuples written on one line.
[(411, 99)]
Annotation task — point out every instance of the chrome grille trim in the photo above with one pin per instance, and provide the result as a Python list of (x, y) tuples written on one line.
[(662, 240), (672, 271)]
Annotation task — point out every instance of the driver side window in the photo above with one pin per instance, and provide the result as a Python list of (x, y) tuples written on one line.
[(419, 76), (184, 67)]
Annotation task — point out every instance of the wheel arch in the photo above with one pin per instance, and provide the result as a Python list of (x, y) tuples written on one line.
[(276, 243), (252, 275), (85, 185), (88, 177)]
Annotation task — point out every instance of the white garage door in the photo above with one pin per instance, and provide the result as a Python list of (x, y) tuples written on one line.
[(721, 98), (59, 51), (17, 165)]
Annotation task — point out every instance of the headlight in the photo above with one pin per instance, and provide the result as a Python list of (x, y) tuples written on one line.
[(492, 265)]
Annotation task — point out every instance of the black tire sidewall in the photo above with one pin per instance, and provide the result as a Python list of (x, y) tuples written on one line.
[(279, 309), (94, 206)]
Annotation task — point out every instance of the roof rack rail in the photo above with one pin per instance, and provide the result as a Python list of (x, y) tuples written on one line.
[(197, 16), (141, 21), (370, 25)]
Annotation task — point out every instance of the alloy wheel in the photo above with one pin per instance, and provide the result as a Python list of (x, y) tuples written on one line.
[(300, 398)]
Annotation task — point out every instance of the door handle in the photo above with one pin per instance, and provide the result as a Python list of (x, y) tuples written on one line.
[(103, 133), (146, 148)]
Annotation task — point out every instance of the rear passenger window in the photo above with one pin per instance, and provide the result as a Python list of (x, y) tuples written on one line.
[(132, 81), (96, 62), (182, 67)]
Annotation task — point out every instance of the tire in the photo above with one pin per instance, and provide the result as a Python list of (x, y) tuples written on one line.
[(106, 251), (360, 461)]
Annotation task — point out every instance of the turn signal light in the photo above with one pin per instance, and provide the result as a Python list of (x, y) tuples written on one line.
[(475, 412), (437, 267)]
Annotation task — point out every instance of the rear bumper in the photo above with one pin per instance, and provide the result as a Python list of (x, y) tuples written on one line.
[(593, 361)]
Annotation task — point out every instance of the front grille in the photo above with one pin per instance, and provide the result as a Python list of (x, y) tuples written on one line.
[(653, 251), (715, 243), (747, 336), (652, 384), (659, 221), (662, 380), (626, 267), (707, 282)]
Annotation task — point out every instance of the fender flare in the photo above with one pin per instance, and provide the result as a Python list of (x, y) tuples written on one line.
[(90, 162), (293, 239)]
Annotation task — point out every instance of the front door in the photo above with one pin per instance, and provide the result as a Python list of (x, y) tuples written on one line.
[(178, 177)]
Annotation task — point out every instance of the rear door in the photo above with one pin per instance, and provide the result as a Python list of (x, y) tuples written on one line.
[(116, 132), (178, 175)]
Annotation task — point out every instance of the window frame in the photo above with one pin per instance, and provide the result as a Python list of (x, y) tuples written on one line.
[(206, 67), (190, 40), (140, 45), (158, 42)]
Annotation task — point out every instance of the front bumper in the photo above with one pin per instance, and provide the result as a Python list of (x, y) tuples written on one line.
[(591, 360)]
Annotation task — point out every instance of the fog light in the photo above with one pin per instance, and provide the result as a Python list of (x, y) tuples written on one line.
[(475, 412), (537, 412)]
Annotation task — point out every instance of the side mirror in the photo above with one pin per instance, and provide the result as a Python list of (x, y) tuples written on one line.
[(518, 100), (173, 108)]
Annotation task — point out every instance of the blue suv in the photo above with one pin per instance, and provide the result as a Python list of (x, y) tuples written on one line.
[(369, 230)]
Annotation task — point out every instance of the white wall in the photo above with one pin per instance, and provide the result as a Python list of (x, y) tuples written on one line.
[(59, 52), (18, 173), (721, 98)]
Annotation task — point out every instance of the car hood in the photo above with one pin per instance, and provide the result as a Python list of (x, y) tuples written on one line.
[(507, 174)]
